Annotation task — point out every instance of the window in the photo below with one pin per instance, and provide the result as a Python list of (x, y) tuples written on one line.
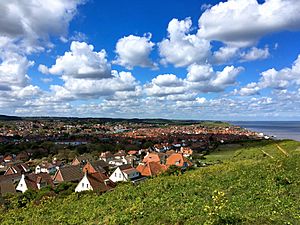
[(82, 184), (87, 185), (120, 175), (115, 174)]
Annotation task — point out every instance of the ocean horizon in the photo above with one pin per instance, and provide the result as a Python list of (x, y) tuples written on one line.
[(277, 129)]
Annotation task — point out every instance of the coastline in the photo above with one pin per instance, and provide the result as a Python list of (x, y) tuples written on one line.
[(274, 129)]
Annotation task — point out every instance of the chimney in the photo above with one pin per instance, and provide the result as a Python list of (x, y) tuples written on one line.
[(106, 182), (86, 172)]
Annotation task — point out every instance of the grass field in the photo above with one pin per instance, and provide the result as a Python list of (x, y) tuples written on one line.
[(254, 184)]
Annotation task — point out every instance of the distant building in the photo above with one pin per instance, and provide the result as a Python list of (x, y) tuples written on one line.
[(177, 159), (97, 182), (81, 160), (17, 169), (106, 156), (7, 187), (96, 166), (151, 168), (68, 174), (34, 182), (125, 173)]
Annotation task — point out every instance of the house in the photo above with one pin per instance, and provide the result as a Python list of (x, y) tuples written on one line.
[(132, 152), (119, 159), (7, 187), (125, 173), (155, 157), (17, 168), (68, 174), (151, 168), (132, 159), (120, 154), (34, 182), (15, 178), (97, 182), (186, 151), (8, 158), (46, 167), (22, 156), (177, 159), (96, 166), (81, 160), (161, 147), (106, 156)]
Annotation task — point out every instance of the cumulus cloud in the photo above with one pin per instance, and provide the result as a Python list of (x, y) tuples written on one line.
[(198, 72), (203, 78), (274, 79), (225, 54), (134, 51), (34, 21), (13, 69), (182, 48), (27, 28), (167, 80), (255, 54), (283, 78), (226, 77), (165, 84), (249, 89), (244, 22), (81, 62), (88, 88)]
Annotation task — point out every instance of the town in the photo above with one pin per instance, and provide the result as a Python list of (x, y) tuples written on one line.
[(95, 155)]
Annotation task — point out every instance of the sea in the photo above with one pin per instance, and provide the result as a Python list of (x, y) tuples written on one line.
[(277, 129)]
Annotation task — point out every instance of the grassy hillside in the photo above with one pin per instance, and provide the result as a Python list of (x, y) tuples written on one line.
[(256, 185)]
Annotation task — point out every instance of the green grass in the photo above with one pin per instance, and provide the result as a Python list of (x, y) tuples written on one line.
[(247, 188)]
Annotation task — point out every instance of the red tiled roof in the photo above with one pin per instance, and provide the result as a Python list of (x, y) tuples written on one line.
[(100, 182), (177, 159), (151, 168), (33, 179), (132, 152), (151, 157)]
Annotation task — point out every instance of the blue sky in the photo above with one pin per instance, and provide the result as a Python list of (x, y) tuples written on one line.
[(229, 60)]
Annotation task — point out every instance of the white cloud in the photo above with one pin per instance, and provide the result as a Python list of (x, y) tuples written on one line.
[(255, 54), (249, 89), (244, 22), (43, 69), (204, 79), (225, 54), (134, 51), (13, 69), (283, 78), (226, 77), (26, 27), (31, 22), (272, 78), (81, 62), (167, 80), (198, 73), (201, 100), (182, 48), (163, 85)]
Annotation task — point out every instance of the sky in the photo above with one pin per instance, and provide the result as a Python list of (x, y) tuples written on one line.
[(183, 59)]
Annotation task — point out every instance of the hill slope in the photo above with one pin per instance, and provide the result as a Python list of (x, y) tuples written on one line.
[(250, 187)]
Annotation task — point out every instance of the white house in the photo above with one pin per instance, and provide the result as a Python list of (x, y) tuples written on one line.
[(124, 173), (34, 181), (94, 182), (118, 162), (46, 168)]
